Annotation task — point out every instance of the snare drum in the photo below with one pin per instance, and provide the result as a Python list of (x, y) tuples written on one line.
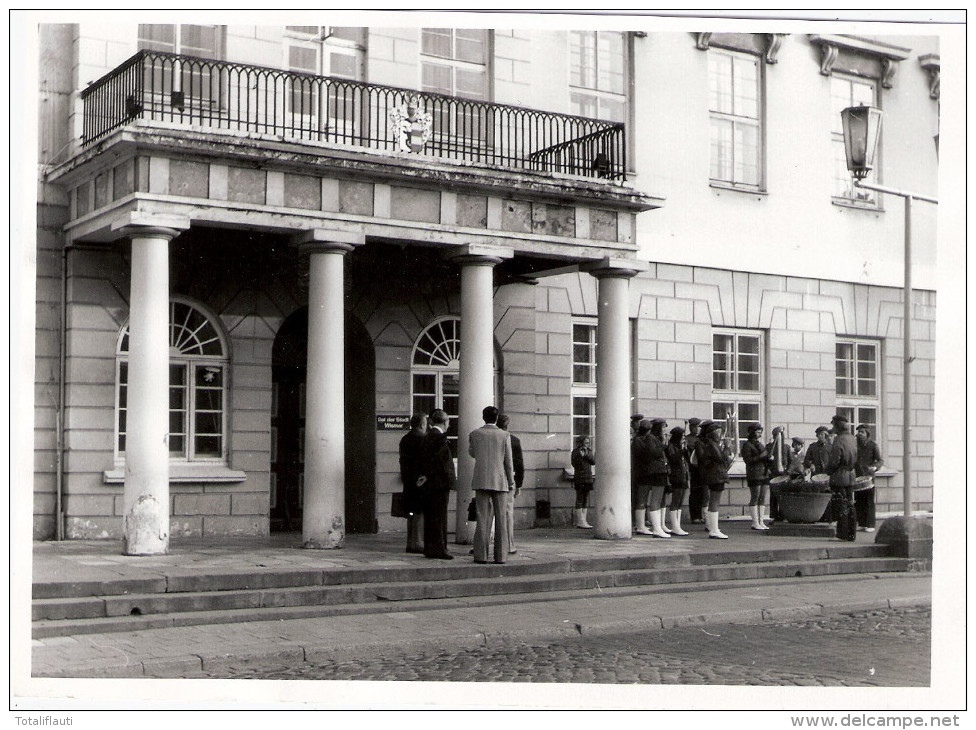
[(776, 482), (862, 483), (821, 479)]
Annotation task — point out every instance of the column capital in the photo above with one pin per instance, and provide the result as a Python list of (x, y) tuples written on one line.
[(614, 267), (143, 223), (326, 240), (479, 254)]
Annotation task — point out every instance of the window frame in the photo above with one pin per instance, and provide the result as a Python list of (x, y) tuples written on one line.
[(438, 371), (736, 396), (596, 92), (189, 363), (738, 120), (869, 199), (585, 391), (853, 404), (209, 96)]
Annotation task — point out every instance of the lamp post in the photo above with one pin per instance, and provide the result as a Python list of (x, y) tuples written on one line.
[(862, 128)]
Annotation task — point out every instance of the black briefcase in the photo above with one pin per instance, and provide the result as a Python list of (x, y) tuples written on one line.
[(399, 506)]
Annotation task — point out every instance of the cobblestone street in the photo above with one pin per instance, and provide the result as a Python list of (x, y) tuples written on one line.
[(882, 648)]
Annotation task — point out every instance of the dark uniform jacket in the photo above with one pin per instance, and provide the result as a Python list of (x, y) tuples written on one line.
[(817, 458), (647, 453), (843, 459), (582, 462), (868, 456), (714, 462), (756, 458), (691, 445), (678, 466)]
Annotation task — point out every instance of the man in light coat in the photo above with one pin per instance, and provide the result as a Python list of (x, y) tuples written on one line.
[(494, 477)]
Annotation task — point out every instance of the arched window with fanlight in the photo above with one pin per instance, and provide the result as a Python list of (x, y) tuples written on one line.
[(198, 367), (435, 372)]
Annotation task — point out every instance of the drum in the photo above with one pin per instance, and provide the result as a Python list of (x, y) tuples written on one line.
[(821, 479), (863, 483), (779, 481)]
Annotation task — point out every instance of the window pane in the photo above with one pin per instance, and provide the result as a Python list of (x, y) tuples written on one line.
[(437, 78), (208, 446), (436, 42), (613, 110), (157, 37), (424, 383), (721, 150), (748, 381), (470, 84), (198, 40), (720, 82), (610, 62), (583, 105), (207, 424), (470, 45), (302, 59), (347, 33), (343, 65), (745, 84), (582, 59), (746, 154)]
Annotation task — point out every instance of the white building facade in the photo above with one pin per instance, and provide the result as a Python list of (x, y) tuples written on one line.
[(261, 248)]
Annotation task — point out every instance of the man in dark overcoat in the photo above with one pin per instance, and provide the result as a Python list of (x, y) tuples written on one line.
[(411, 469), (440, 479)]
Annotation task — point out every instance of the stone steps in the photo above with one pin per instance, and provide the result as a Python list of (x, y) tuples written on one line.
[(302, 595)]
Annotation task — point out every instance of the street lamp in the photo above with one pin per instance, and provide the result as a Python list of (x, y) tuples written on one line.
[(862, 128)]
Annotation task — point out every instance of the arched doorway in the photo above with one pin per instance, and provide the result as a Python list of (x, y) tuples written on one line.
[(288, 377)]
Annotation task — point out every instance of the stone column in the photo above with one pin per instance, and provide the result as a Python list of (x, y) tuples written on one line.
[(324, 511), (145, 499), (477, 363), (613, 508)]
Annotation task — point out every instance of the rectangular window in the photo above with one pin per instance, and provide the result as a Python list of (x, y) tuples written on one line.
[(196, 412), (198, 84), (848, 91), (857, 379), (584, 381), (737, 382), (597, 75), (454, 62), (735, 109)]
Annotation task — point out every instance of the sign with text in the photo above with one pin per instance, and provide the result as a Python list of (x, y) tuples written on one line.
[(392, 422)]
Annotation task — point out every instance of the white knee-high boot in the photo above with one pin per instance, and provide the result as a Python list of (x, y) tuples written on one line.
[(639, 527), (674, 516), (656, 528), (754, 512), (711, 519), (581, 519), (763, 516), (663, 517)]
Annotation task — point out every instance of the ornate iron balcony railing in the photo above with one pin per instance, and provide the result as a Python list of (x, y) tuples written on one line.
[(213, 94)]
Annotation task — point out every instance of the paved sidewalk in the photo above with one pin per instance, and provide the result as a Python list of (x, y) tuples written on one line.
[(173, 652), (179, 651)]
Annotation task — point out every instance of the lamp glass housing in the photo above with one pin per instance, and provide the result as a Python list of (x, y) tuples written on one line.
[(862, 128)]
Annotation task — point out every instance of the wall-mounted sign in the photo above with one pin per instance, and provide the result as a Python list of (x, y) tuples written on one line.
[(392, 422)]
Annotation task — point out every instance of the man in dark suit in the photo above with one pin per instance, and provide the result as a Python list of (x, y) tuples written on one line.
[(411, 469), (519, 466), (439, 479)]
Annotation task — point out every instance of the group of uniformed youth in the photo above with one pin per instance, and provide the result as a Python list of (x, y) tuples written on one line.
[(664, 467)]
